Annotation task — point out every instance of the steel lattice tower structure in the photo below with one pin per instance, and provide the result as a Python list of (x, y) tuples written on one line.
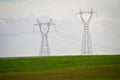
[(44, 29), (86, 46)]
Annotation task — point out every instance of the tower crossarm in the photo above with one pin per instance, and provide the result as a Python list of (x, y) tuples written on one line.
[(48, 24), (90, 17)]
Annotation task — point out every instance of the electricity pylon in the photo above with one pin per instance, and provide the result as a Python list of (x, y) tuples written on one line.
[(86, 46), (44, 29)]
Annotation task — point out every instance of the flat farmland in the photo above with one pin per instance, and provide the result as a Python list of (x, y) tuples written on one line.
[(104, 67)]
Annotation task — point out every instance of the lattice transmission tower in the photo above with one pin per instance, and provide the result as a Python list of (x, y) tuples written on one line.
[(44, 29), (86, 46)]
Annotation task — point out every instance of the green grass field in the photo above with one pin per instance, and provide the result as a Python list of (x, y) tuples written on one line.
[(61, 68)]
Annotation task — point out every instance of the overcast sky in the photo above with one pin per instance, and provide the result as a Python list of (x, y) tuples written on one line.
[(18, 16)]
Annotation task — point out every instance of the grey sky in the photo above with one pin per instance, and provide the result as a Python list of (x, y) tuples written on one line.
[(17, 16)]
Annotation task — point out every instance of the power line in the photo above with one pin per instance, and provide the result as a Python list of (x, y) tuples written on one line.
[(78, 44), (66, 37), (94, 47), (106, 50), (106, 47), (110, 28), (14, 34), (102, 46), (68, 40)]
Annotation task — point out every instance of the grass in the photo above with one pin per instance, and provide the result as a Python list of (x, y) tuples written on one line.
[(61, 68)]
